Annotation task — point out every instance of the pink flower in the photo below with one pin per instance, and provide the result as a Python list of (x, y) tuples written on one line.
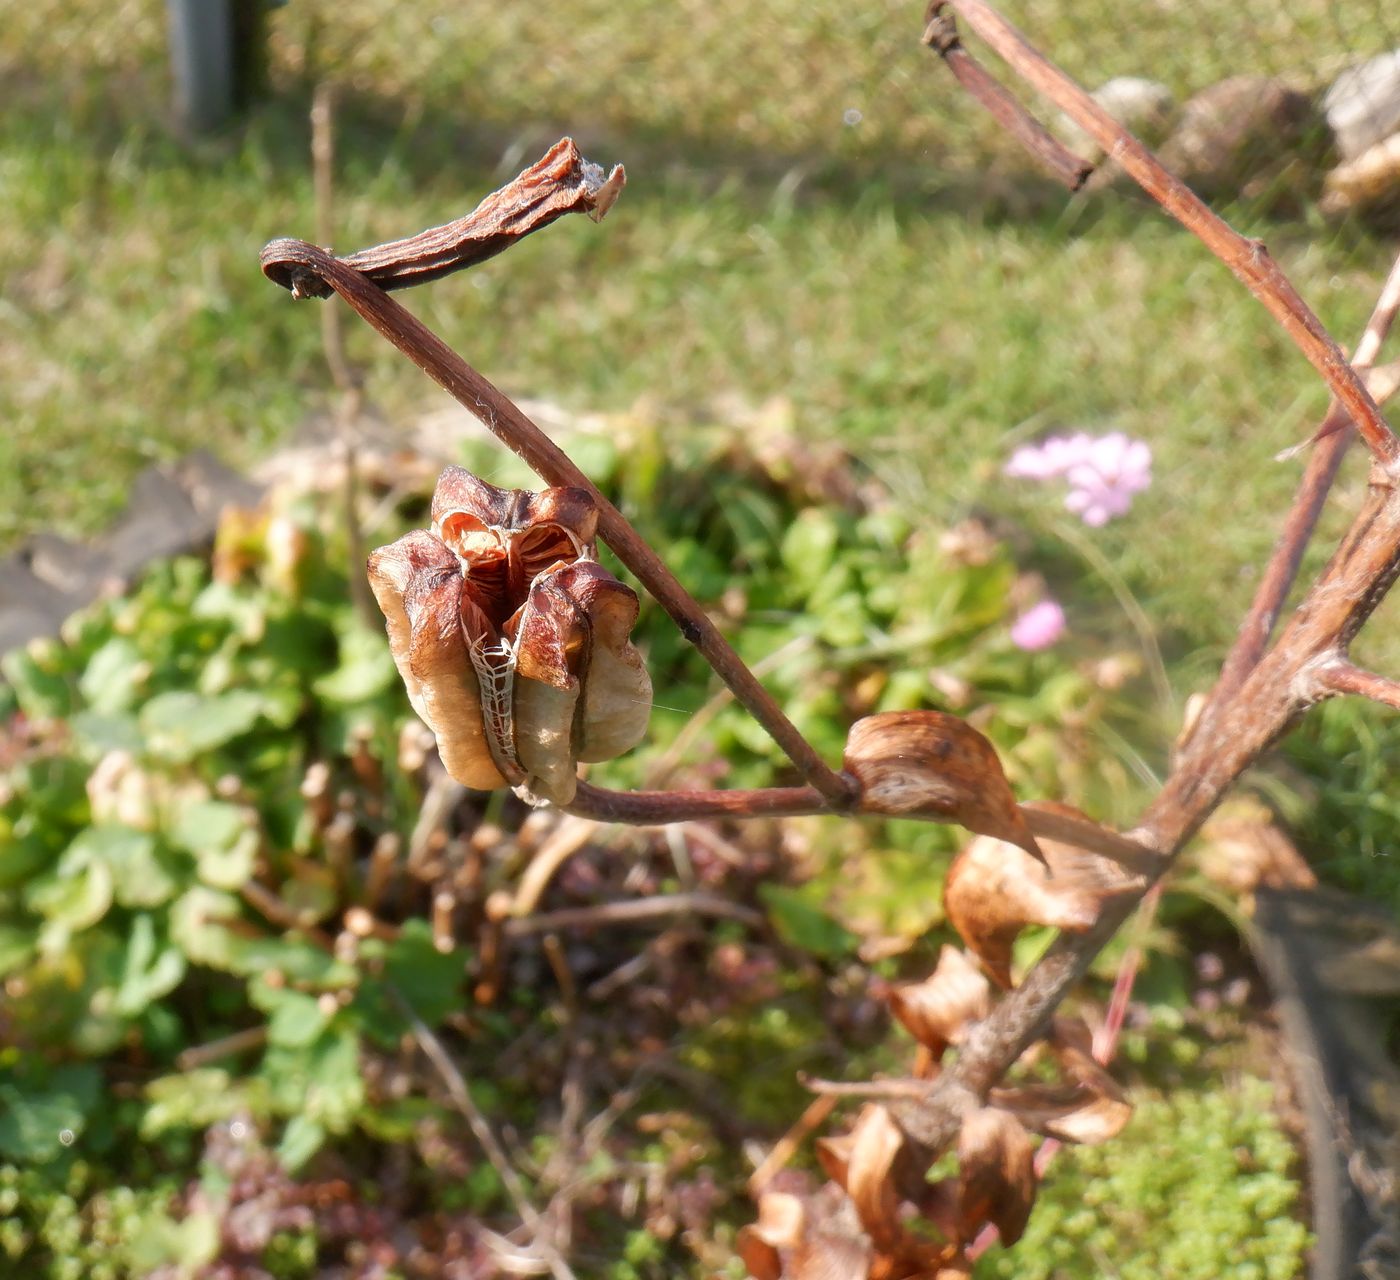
[(1052, 457), (1103, 472), (1038, 627)]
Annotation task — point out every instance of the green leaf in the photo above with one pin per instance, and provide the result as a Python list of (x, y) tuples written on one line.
[(99, 733), (415, 971), (809, 547), (74, 901), (321, 1080), (297, 1019), (41, 1114), (151, 969), (196, 1099), (188, 1245), (197, 927), (366, 669), (22, 860), (301, 1140), (141, 877), (223, 838), (181, 726), (16, 948), (114, 676), (428, 979), (802, 925), (41, 687)]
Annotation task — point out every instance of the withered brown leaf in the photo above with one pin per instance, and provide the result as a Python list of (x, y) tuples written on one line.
[(1089, 1107), (927, 764), (876, 1141), (996, 1175), (512, 641), (994, 890), (938, 1010)]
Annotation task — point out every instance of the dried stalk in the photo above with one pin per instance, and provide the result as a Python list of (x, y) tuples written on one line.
[(1341, 677), (1248, 259), (1318, 477), (561, 182), (941, 35), (510, 425), (662, 906), (461, 1097)]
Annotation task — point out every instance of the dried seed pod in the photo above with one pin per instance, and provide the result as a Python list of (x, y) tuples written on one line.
[(513, 642)]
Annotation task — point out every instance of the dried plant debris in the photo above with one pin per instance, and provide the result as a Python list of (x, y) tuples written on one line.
[(560, 182), (512, 641), (994, 890), (938, 1010), (875, 1232), (928, 764), (1086, 1105)]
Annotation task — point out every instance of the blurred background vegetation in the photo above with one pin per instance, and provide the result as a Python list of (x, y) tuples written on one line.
[(821, 245)]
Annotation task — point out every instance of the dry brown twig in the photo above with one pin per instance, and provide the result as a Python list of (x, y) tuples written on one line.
[(925, 765)]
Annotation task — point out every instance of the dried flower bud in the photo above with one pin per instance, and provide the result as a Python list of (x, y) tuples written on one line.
[(512, 641)]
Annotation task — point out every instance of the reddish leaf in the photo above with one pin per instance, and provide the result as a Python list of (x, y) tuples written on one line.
[(925, 764)]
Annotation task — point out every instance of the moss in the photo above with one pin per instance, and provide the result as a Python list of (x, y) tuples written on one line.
[(1200, 1186)]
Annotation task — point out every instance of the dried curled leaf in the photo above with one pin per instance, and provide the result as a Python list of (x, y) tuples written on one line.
[(876, 1142), (1242, 848), (1089, 1107), (994, 890), (805, 1237), (560, 182), (938, 1010), (927, 764), (996, 1175), (512, 641)]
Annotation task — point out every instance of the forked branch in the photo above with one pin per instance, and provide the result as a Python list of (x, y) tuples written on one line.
[(1248, 259)]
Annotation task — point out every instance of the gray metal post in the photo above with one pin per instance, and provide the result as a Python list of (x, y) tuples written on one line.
[(202, 58)]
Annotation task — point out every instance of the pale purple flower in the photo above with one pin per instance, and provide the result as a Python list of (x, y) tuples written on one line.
[(1038, 627), (1103, 472)]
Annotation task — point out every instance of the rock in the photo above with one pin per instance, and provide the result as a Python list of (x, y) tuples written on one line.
[(1251, 136), (1144, 107), (1362, 105), (1367, 184), (29, 608), (211, 486), (80, 573), (160, 520)]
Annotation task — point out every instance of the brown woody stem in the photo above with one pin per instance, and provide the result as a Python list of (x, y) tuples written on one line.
[(510, 425), (1248, 259), (1318, 477), (941, 35), (1274, 694), (1339, 676)]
